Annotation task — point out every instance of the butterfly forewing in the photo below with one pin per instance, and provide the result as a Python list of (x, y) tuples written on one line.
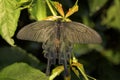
[(37, 31), (74, 32), (79, 33)]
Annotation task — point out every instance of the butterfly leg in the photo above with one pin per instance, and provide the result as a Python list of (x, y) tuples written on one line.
[(47, 55), (67, 57), (64, 57), (48, 67), (65, 65), (51, 56)]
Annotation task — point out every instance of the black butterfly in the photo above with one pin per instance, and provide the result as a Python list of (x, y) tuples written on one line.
[(58, 37)]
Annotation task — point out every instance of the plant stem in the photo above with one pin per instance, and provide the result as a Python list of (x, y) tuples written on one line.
[(50, 7), (28, 6), (82, 72)]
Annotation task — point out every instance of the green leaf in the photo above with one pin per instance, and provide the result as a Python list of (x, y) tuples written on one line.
[(80, 49), (9, 14), (75, 71), (10, 55), (38, 10), (113, 19), (22, 71), (6, 79), (56, 72), (80, 67), (113, 56), (22, 1), (96, 5)]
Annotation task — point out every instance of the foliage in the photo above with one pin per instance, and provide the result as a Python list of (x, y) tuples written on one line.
[(9, 9), (101, 61), (21, 71)]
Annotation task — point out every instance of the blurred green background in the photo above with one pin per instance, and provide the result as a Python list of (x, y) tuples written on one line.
[(101, 61)]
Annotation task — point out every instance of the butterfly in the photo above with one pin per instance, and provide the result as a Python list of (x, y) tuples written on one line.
[(58, 37)]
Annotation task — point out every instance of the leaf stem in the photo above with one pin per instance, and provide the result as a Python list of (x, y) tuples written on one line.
[(82, 72), (50, 7), (27, 5)]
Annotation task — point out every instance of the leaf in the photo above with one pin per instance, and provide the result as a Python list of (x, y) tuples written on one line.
[(9, 14), (113, 19), (56, 72), (113, 56), (59, 8), (79, 67), (91, 77), (22, 1), (72, 10), (22, 71), (6, 79), (52, 18), (96, 5), (10, 55), (81, 49), (67, 77), (75, 71), (38, 10)]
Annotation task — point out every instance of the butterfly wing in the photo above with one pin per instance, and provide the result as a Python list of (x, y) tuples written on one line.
[(37, 31), (79, 33)]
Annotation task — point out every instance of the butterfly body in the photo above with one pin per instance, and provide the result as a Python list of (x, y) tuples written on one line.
[(56, 46)]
